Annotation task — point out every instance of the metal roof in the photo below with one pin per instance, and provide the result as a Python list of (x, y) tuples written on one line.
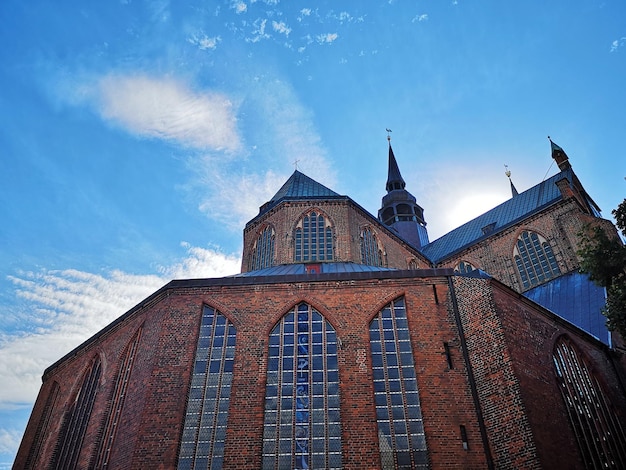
[(498, 218), (305, 268), (577, 299)]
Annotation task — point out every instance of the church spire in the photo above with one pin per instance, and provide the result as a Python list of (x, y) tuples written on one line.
[(559, 156), (399, 210), (394, 178)]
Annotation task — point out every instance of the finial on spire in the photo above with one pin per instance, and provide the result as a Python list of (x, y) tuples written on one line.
[(295, 163), (388, 135), (507, 172)]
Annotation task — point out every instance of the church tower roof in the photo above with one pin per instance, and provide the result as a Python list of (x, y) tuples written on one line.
[(300, 185), (394, 178), (399, 210)]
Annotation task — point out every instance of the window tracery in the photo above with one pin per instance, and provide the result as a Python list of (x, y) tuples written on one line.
[(263, 250), (313, 238), (534, 259), (371, 253)]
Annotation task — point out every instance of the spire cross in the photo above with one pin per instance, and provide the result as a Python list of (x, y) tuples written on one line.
[(295, 163)]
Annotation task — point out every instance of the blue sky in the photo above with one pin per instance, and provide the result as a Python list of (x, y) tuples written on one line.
[(138, 137)]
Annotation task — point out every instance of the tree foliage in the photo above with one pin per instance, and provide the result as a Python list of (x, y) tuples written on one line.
[(603, 258)]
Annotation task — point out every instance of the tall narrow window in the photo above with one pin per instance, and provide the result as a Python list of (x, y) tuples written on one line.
[(600, 436), (302, 427), (76, 420), (371, 254), (42, 427), (401, 437), (204, 432), (534, 259), (313, 238), (117, 402), (263, 251)]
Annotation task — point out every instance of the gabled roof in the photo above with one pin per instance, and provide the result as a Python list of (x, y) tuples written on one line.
[(506, 214)]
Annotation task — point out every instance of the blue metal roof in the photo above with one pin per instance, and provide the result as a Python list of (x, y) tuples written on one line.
[(577, 299), (301, 268), (498, 218)]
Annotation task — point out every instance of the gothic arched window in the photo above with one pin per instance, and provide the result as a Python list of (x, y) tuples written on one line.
[(302, 426), (600, 436), (464, 267), (263, 251), (534, 259), (313, 238), (401, 438), (202, 443), (76, 419), (371, 254)]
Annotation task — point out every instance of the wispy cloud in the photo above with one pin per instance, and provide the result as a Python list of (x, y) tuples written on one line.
[(327, 38), (168, 109), (615, 45), (239, 6), (419, 18), (205, 42), (69, 306), (281, 27)]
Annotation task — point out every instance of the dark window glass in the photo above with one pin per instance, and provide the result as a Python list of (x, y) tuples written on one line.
[(207, 405), (400, 431), (534, 259), (263, 251), (313, 241), (600, 436)]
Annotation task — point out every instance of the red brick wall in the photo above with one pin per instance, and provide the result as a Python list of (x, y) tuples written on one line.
[(347, 220), (509, 338)]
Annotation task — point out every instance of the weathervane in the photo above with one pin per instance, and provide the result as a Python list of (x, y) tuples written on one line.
[(507, 172), (388, 136)]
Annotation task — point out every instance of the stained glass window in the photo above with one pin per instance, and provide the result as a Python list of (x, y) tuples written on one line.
[(202, 444), (370, 252), (534, 259), (302, 426), (313, 239), (600, 436), (263, 251), (401, 438)]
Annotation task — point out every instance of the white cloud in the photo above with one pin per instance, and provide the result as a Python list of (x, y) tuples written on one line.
[(9, 440), (281, 27), (168, 109), (259, 30), (419, 18), (327, 38), (239, 7), (615, 45), (67, 307), (205, 42)]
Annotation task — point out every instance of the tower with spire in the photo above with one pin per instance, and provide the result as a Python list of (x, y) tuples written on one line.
[(400, 211)]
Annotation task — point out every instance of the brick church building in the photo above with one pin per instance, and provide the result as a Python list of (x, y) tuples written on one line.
[(351, 341)]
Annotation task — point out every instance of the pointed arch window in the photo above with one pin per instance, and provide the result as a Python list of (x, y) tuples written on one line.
[(401, 438), (464, 267), (600, 435), (76, 420), (313, 238), (117, 402), (263, 251), (371, 254), (302, 425), (204, 432), (534, 259)]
